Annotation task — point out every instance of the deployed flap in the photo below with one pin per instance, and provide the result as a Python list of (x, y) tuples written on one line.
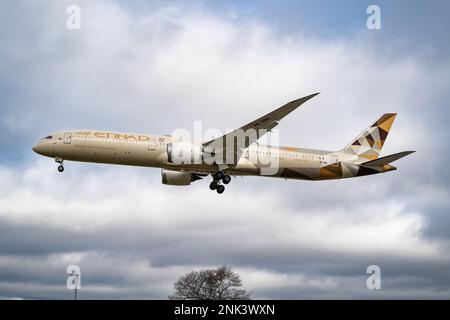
[(386, 160)]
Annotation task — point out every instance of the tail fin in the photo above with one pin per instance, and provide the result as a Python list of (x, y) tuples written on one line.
[(369, 143)]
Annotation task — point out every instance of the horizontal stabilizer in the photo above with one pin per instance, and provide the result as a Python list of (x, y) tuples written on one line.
[(386, 160)]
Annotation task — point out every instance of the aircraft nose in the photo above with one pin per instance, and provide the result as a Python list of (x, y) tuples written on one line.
[(36, 148)]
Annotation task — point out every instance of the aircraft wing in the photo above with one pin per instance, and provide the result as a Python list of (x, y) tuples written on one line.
[(260, 127)]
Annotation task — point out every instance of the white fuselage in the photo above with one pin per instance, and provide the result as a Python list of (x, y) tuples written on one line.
[(151, 151)]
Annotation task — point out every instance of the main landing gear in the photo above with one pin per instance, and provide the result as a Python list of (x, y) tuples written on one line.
[(218, 178), (61, 165)]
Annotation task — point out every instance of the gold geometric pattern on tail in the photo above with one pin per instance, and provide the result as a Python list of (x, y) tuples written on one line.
[(369, 143)]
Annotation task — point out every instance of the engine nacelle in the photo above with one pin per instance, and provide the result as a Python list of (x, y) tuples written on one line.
[(184, 153), (176, 178)]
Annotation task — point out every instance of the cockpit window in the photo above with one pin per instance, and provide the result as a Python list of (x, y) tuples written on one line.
[(47, 138)]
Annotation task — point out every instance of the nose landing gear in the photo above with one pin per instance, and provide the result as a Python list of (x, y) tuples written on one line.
[(219, 177), (61, 165)]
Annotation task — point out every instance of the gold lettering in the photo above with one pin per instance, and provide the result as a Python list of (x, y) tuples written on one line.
[(85, 133), (116, 136), (100, 134), (143, 138), (122, 136)]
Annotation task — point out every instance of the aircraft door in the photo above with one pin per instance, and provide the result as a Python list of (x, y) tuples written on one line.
[(246, 153), (152, 144), (334, 160), (67, 138)]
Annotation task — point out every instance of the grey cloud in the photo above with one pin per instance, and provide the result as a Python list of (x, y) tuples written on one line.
[(160, 70), (181, 237)]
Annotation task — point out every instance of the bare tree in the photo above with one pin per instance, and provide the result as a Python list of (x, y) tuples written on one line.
[(210, 284)]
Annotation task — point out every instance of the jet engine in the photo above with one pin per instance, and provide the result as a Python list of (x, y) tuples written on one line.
[(178, 178), (184, 153)]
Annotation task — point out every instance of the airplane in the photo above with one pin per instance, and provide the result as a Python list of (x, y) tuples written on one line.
[(183, 162)]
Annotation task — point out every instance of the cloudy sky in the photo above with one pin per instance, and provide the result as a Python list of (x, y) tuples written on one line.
[(154, 67)]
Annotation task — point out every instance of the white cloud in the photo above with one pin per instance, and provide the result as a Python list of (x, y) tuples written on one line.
[(109, 197), (158, 71), (171, 226)]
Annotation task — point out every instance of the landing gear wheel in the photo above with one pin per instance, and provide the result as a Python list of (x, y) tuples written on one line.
[(60, 168), (220, 189), (226, 179), (219, 175), (213, 185)]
